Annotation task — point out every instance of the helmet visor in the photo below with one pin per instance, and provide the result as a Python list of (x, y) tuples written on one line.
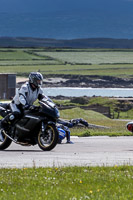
[(39, 83)]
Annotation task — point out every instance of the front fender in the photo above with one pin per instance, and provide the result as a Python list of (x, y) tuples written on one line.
[(44, 125)]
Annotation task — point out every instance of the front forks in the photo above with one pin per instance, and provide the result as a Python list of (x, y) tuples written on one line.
[(43, 127)]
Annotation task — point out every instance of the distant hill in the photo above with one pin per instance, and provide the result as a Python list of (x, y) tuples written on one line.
[(74, 43)]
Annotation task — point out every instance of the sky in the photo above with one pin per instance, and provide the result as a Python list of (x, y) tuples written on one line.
[(66, 18), (25, 6)]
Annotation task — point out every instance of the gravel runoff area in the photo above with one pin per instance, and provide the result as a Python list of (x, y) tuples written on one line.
[(86, 151)]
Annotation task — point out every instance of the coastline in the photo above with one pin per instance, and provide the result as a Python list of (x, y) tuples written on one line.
[(81, 81)]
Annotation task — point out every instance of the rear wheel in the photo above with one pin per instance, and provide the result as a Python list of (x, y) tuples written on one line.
[(48, 139), (4, 141)]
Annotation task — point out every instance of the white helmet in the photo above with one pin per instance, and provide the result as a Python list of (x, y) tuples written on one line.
[(36, 79)]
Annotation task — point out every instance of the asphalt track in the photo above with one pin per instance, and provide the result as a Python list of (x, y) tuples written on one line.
[(87, 151)]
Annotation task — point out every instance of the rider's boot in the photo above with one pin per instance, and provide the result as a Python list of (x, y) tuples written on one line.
[(68, 138)]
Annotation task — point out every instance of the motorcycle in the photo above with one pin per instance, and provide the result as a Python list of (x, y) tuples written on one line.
[(36, 126), (130, 126)]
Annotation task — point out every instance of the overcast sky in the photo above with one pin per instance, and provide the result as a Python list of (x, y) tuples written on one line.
[(63, 5)]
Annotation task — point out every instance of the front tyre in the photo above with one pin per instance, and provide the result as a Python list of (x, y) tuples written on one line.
[(4, 141), (48, 139)]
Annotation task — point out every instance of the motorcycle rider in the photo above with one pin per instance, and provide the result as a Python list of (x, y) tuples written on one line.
[(65, 125), (25, 97)]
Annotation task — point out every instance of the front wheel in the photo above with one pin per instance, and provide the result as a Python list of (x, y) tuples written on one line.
[(48, 139), (4, 141)]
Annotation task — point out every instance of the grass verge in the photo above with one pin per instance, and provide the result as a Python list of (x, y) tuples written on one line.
[(115, 127), (70, 183)]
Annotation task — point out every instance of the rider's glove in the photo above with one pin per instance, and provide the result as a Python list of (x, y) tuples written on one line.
[(29, 107), (74, 121), (80, 120), (32, 107), (26, 107), (84, 122)]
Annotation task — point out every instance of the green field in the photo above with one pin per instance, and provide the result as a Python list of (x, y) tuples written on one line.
[(91, 57), (69, 183), (67, 61)]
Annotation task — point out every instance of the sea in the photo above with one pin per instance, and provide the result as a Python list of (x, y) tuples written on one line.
[(61, 25), (89, 92)]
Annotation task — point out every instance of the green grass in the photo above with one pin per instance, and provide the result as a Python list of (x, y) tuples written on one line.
[(70, 183), (52, 68), (16, 55), (104, 101), (91, 57), (125, 108), (100, 62), (115, 127), (89, 115)]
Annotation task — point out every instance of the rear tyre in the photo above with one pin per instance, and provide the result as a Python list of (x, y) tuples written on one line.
[(48, 139), (5, 143)]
